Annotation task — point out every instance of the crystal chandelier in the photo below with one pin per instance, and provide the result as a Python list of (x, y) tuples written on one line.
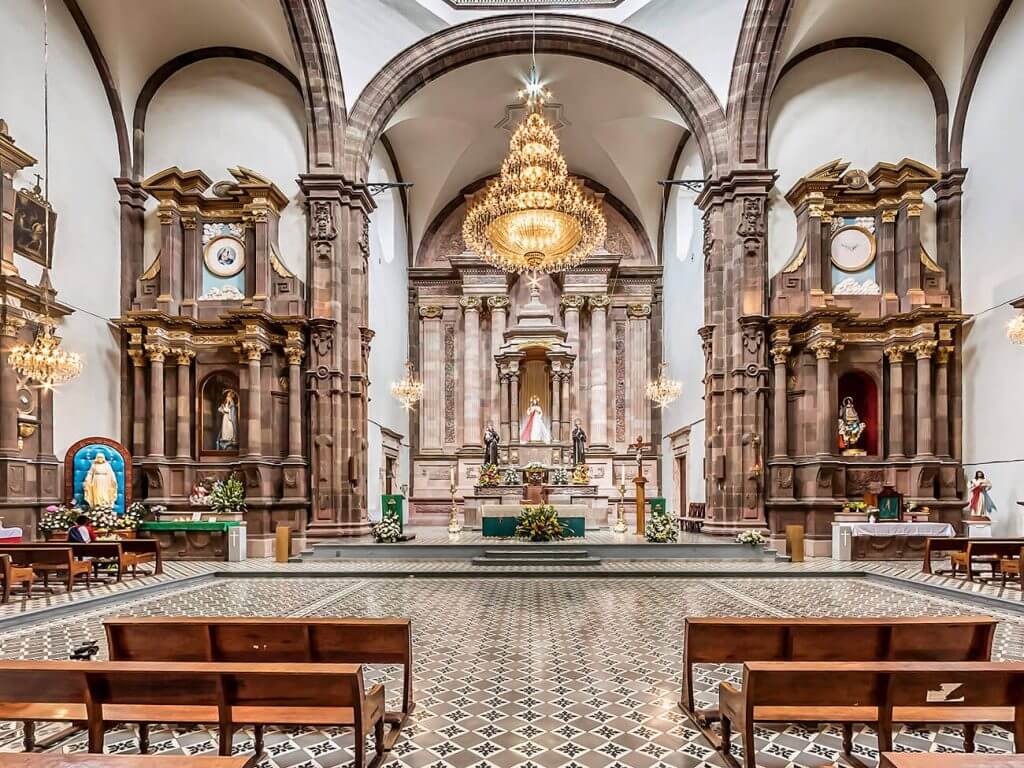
[(663, 390), (534, 216), (1015, 329), (44, 362), (409, 390)]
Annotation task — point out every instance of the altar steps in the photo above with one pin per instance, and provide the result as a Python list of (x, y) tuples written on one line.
[(553, 556)]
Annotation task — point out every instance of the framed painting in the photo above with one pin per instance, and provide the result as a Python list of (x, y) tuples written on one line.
[(34, 225)]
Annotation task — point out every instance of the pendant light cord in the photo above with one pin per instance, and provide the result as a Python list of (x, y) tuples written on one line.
[(46, 109)]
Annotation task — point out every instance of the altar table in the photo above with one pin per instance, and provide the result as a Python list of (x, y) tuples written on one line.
[(499, 520), (884, 541), (193, 539)]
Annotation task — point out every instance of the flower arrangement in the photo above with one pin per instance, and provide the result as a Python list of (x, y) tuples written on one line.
[(134, 515), (58, 517), (539, 523), (227, 497), (660, 528), (490, 476), (104, 518), (560, 476), (534, 473), (581, 475), (389, 529), (750, 537), (511, 477)]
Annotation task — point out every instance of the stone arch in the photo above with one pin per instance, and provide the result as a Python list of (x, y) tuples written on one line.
[(602, 41), (175, 65), (909, 57)]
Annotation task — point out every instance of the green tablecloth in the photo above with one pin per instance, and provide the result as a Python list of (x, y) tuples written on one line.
[(505, 527), (189, 525)]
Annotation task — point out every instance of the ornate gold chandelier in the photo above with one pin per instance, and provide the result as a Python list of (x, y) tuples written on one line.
[(1015, 329), (43, 361), (409, 390), (534, 216), (663, 390)]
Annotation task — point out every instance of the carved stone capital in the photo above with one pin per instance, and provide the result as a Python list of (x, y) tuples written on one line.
[(431, 311), (157, 352), (823, 348), (599, 302), (470, 303), (942, 355), (11, 326), (573, 302), (184, 356), (498, 302), (924, 349), (253, 350), (780, 354), (639, 311), (188, 222), (138, 357), (294, 355), (895, 353), (889, 216)]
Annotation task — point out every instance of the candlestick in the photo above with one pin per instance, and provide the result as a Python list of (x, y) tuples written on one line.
[(620, 522)]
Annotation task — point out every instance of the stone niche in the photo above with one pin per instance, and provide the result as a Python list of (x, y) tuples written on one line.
[(861, 314), (216, 336), (584, 343)]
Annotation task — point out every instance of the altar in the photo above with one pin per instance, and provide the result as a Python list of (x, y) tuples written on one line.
[(499, 520), (884, 541)]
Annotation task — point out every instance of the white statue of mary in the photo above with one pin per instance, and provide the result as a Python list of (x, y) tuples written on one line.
[(534, 429)]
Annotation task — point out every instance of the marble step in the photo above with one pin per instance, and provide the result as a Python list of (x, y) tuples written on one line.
[(527, 551), (527, 559)]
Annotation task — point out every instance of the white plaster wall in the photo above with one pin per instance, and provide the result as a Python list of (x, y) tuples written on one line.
[(221, 113), (83, 163), (862, 106), (684, 314), (389, 318), (993, 273)]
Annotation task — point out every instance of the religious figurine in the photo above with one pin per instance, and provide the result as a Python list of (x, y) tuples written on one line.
[(979, 501), (227, 435), (100, 485), (491, 440), (534, 429), (579, 444), (850, 428), (638, 447)]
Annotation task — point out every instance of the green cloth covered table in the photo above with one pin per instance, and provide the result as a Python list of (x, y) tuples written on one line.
[(505, 527), (189, 525)]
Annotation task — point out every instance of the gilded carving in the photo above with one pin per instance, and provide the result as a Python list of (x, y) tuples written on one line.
[(294, 355), (889, 216), (638, 311), (11, 325), (253, 350), (157, 352), (599, 302), (498, 302), (573, 302), (431, 311), (895, 353), (184, 356), (470, 303), (823, 348), (780, 354), (924, 349), (942, 355)]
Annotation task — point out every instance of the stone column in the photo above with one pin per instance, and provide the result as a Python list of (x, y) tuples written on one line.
[(504, 409), (923, 350), (157, 353), (823, 350), (471, 373), (184, 435), (638, 369), (780, 408), (513, 383), (556, 405), (567, 414), (138, 357), (599, 370), (572, 305), (895, 401), (942, 401), (295, 355), (432, 373), (499, 321), (8, 386), (254, 355)]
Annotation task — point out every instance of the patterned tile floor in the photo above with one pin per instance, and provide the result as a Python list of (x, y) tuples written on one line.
[(524, 672)]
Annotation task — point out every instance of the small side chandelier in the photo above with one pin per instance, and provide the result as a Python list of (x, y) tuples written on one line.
[(663, 390), (1015, 329), (409, 390), (534, 216), (44, 362)]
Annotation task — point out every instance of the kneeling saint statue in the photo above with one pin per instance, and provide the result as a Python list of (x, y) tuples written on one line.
[(534, 429)]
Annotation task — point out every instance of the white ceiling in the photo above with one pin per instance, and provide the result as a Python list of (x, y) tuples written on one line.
[(621, 132)]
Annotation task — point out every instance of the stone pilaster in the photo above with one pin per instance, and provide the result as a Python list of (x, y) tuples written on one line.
[(157, 353), (138, 358), (505, 418), (9, 329), (638, 369), (599, 370), (895, 354), (780, 409), (471, 372), (184, 430), (572, 305), (338, 218), (499, 322), (295, 355), (825, 433), (513, 384), (948, 206), (556, 402), (923, 351), (254, 422), (432, 368), (942, 401)]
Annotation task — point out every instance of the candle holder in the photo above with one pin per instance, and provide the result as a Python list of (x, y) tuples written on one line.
[(453, 515), (620, 522)]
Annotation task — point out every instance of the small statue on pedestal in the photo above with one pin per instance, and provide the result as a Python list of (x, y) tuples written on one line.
[(491, 441), (979, 501), (850, 429), (579, 444)]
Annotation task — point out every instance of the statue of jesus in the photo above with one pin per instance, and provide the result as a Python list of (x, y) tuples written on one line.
[(534, 429)]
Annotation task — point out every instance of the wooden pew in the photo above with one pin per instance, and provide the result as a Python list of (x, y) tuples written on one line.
[(1011, 566), (990, 551), (234, 639), (195, 693), (13, 574), (876, 693), (49, 559), (59, 760), (947, 760), (947, 544), (126, 554), (709, 640)]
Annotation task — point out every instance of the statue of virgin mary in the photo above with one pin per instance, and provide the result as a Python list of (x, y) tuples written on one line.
[(534, 429)]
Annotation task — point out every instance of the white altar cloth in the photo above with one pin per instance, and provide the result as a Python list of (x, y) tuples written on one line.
[(843, 533)]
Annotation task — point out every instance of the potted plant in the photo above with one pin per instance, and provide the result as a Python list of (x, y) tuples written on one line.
[(539, 523), (227, 497), (389, 529), (56, 519), (750, 537)]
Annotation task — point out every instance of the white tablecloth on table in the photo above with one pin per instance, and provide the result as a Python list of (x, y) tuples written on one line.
[(902, 529), (10, 533)]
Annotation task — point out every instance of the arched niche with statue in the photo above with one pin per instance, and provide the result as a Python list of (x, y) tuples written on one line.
[(79, 460)]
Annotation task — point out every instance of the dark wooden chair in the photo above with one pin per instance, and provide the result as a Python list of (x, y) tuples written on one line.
[(195, 693), (14, 574), (693, 521), (877, 693), (1010, 567), (233, 639), (47, 560), (984, 552)]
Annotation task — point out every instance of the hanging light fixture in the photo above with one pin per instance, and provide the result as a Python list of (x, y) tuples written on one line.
[(663, 390), (43, 362), (409, 390), (534, 216), (1015, 329)]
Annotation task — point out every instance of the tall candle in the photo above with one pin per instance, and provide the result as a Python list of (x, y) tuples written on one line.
[(622, 474), (451, 476)]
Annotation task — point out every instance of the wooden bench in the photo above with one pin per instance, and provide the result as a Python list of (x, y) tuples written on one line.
[(229, 696), (940, 545), (14, 574), (947, 760), (46, 560), (57, 760), (877, 693), (1011, 566), (232, 639), (693, 521), (126, 554), (988, 551), (708, 640)]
